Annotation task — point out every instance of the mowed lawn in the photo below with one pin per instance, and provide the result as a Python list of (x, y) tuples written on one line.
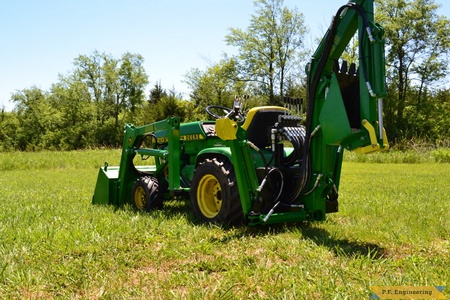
[(393, 229)]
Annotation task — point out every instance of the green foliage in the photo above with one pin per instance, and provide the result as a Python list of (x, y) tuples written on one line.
[(270, 49), (86, 108), (217, 85), (38, 120), (441, 155), (392, 230), (417, 52), (114, 86), (427, 120), (162, 105), (405, 152), (9, 126), (157, 93), (392, 157), (168, 107)]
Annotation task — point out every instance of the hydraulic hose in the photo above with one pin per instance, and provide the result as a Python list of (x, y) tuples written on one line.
[(312, 89)]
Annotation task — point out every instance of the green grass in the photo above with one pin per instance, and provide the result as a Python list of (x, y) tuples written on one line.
[(411, 156), (393, 228)]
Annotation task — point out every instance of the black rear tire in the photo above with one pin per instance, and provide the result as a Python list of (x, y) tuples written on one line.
[(146, 195), (214, 193)]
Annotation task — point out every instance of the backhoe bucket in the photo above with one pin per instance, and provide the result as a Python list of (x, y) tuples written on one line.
[(106, 189)]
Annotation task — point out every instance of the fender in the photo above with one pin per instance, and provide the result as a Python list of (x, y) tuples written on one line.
[(213, 152)]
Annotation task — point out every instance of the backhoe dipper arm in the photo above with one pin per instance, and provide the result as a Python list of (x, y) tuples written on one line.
[(350, 18), (340, 114)]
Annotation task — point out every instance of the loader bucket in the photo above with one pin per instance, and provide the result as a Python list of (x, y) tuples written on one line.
[(106, 189)]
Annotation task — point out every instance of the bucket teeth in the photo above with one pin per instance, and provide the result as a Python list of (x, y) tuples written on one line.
[(344, 68)]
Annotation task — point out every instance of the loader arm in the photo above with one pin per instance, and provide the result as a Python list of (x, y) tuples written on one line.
[(131, 141)]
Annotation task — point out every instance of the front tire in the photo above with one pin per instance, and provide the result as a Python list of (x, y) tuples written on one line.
[(146, 194), (214, 193)]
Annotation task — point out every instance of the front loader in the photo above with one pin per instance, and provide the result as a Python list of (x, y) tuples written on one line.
[(265, 165)]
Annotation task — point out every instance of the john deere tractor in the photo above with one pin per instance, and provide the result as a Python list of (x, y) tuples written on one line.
[(265, 165)]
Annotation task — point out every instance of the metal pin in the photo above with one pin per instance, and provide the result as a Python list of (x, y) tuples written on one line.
[(380, 117)]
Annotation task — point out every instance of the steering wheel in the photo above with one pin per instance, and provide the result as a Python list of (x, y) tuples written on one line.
[(225, 111)]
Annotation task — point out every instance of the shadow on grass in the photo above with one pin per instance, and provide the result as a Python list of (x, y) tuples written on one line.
[(343, 246), (321, 237), (175, 209)]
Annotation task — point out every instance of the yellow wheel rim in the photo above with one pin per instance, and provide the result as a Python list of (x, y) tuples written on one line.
[(209, 196), (140, 198)]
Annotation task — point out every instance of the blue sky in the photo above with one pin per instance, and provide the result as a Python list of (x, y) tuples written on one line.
[(41, 39)]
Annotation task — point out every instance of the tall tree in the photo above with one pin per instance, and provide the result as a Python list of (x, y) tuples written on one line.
[(417, 48), (72, 99), (157, 93), (216, 85), (132, 81), (270, 47), (171, 104), (116, 86), (117, 83)]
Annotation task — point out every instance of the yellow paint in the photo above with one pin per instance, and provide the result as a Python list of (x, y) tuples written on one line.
[(209, 196), (187, 137), (226, 129), (251, 113), (374, 146)]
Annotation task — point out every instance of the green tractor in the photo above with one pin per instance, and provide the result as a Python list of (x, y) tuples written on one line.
[(265, 165)]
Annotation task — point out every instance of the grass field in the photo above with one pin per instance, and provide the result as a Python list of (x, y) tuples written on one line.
[(393, 228)]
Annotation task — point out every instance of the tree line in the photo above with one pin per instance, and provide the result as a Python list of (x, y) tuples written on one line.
[(89, 106)]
